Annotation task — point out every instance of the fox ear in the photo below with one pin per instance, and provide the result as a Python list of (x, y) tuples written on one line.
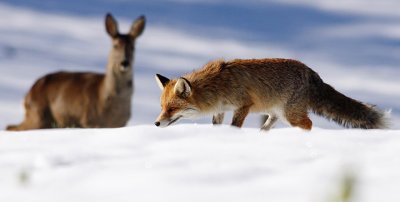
[(137, 27), (111, 26), (183, 88), (161, 81)]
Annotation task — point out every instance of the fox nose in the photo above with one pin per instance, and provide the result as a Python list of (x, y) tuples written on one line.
[(157, 123), (125, 63)]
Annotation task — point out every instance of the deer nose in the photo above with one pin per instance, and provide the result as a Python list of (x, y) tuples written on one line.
[(125, 63), (157, 123)]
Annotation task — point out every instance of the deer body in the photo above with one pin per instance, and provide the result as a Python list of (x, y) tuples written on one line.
[(86, 99)]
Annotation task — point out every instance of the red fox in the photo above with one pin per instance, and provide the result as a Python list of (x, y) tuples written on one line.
[(86, 99), (283, 89)]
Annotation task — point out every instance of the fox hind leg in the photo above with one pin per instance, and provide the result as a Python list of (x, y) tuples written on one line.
[(296, 110), (299, 119)]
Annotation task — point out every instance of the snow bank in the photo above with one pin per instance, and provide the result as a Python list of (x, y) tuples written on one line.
[(196, 163)]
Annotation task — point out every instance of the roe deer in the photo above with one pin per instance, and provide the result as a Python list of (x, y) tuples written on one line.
[(86, 99)]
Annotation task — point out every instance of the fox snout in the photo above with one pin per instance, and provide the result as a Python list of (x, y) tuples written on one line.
[(163, 121)]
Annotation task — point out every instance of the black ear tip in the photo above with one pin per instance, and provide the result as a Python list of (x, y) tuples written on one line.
[(108, 15), (161, 77), (162, 80)]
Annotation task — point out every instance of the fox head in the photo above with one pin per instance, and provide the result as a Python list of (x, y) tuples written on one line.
[(176, 101), (123, 45)]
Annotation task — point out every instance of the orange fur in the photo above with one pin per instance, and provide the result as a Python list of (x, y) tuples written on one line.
[(280, 88)]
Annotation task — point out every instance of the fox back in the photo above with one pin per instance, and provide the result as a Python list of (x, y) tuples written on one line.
[(86, 99), (281, 88)]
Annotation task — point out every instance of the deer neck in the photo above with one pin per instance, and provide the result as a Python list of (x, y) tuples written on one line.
[(117, 83)]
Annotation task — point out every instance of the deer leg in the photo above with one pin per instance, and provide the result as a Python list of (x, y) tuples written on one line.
[(35, 118)]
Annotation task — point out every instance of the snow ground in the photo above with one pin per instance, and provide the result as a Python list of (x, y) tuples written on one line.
[(354, 46), (197, 163)]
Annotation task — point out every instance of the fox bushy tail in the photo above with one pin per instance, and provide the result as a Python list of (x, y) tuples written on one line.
[(327, 102)]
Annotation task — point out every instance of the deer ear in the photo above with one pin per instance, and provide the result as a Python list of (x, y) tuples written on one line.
[(161, 81), (111, 26), (183, 88), (137, 27)]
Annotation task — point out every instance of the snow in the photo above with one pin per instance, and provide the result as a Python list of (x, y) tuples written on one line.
[(352, 45), (197, 163)]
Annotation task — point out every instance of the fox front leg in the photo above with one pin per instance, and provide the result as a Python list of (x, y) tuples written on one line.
[(270, 120), (239, 115), (218, 118)]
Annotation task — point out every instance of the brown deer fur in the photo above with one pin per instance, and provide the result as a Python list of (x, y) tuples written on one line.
[(85, 99)]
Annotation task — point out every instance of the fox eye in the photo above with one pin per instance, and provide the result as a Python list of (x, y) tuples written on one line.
[(171, 110)]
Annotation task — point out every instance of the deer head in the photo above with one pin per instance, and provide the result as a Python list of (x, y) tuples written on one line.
[(123, 45)]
